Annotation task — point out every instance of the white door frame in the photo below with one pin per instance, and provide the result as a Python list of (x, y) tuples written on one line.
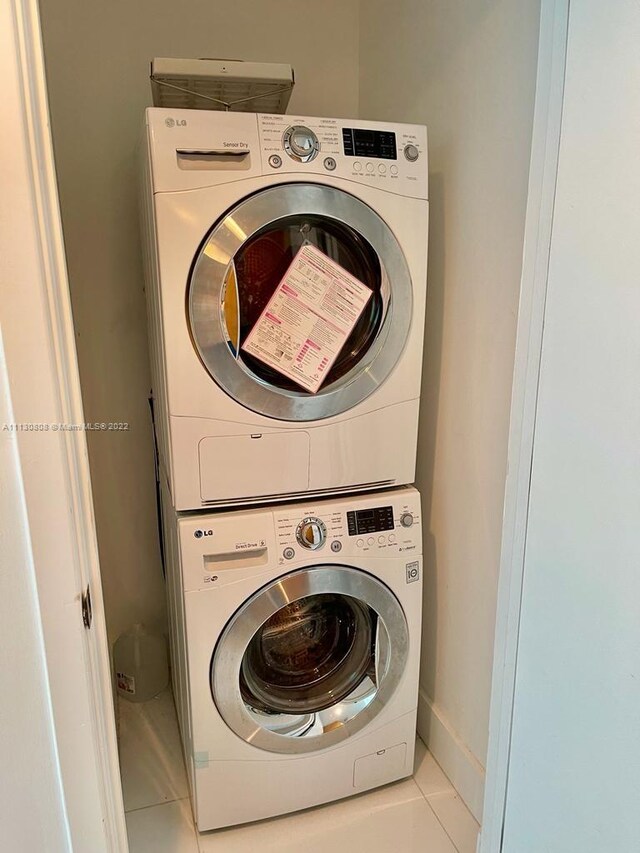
[(43, 386), (552, 50)]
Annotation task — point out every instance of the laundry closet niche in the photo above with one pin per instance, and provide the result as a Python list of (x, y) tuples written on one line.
[(466, 70)]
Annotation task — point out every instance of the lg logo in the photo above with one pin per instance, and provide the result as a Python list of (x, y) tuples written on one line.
[(200, 533), (175, 122)]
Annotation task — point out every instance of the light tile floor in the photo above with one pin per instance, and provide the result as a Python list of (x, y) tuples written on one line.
[(419, 815)]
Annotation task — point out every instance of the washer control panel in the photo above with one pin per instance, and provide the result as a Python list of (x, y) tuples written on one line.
[(362, 526), (391, 157), (223, 547)]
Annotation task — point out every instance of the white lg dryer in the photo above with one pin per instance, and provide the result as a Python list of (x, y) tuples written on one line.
[(229, 200), (295, 642)]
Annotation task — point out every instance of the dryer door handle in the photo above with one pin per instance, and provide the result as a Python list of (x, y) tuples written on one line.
[(213, 152), (213, 158)]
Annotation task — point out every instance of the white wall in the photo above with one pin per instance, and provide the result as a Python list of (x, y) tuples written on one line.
[(97, 57), (574, 773), (467, 70)]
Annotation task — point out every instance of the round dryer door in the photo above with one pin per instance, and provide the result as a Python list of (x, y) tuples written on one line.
[(310, 659), (244, 259)]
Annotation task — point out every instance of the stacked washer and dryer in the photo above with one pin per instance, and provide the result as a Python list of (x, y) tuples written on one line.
[(292, 540)]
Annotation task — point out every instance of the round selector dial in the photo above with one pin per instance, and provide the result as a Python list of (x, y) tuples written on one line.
[(406, 519), (300, 143), (311, 533), (411, 153)]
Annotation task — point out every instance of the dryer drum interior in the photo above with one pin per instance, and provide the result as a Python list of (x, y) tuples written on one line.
[(259, 267), (293, 674), (243, 259)]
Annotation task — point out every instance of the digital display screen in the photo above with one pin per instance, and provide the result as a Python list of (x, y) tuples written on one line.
[(369, 143), (370, 520)]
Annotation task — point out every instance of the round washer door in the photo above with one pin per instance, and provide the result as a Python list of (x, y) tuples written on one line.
[(310, 659), (242, 261)]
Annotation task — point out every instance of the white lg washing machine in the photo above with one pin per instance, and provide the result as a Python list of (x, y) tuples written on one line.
[(229, 200), (295, 640)]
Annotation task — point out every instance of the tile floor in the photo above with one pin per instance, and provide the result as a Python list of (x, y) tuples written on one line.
[(419, 815)]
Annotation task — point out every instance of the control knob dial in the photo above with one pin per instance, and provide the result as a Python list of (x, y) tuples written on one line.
[(311, 533), (300, 143), (411, 152)]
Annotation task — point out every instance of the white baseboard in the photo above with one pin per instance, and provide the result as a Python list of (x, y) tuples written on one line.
[(461, 766)]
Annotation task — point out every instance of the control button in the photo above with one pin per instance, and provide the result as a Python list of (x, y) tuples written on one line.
[(382, 540), (300, 143), (406, 519), (411, 153), (275, 160), (394, 170), (336, 546), (371, 541), (369, 167), (311, 533), (329, 163), (392, 539), (288, 553), (382, 169), (357, 166), (360, 543)]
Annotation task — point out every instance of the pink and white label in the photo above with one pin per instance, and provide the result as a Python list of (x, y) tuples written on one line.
[(308, 319)]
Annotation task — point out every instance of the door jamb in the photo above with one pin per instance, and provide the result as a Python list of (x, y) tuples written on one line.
[(44, 386), (547, 123)]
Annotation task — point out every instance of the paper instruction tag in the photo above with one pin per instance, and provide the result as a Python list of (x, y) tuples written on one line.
[(308, 319)]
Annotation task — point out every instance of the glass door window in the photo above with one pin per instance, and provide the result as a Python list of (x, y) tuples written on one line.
[(243, 260), (318, 668), (260, 266)]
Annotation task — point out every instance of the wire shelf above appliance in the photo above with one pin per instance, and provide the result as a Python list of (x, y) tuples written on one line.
[(219, 84)]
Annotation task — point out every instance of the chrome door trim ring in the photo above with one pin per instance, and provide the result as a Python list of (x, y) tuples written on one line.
[(239, 631), (206, 282)]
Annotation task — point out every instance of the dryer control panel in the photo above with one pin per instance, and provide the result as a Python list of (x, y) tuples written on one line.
[(190, 149), (391, 157)]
